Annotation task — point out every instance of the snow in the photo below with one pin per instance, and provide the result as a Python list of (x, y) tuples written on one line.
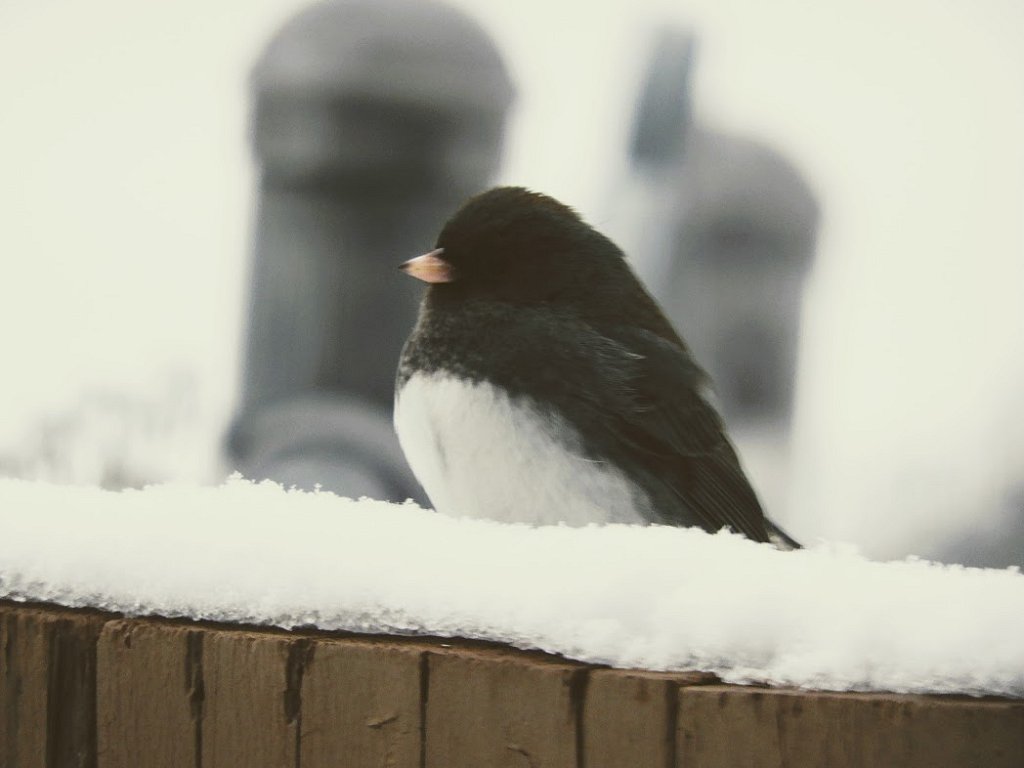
[(629, 596)]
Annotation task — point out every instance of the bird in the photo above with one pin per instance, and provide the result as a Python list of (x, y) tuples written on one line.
[(542, 384)]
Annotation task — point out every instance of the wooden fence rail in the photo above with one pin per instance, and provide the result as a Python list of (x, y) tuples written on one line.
[(86, 689)]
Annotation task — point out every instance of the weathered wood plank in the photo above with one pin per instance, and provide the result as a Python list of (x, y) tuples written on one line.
[(734, 726), (48, 686), (630, 717), (84, 689), (150, 695), (503, 710), (361, 704), (253, 699), (23, 643)]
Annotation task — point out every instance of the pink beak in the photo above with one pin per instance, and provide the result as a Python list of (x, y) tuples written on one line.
[(430, 268)]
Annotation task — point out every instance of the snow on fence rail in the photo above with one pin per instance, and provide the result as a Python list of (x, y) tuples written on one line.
[(631, 597), (91, 689)]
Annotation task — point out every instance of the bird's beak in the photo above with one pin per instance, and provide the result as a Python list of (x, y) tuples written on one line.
[(430, 268)]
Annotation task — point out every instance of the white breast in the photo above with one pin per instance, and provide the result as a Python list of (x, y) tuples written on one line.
[(478, 453)]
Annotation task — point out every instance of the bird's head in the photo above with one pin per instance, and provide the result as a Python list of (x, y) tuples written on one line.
[(510, 244)]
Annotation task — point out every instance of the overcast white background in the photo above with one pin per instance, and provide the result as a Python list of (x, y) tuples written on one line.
[(126, 191)]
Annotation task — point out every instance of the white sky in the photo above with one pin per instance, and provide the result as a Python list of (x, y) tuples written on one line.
[(627, 596), (126, 190)]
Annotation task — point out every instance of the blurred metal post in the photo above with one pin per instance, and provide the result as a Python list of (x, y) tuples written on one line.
[(743, 243), (372, 120), (723, 231), (736, 242)]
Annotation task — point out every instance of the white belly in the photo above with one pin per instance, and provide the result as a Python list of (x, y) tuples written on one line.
[(480, 454)]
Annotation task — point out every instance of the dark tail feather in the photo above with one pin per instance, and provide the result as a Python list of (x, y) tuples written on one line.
[(780, 538)]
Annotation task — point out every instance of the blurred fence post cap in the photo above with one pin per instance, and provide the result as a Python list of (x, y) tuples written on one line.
[(350, 86), (371, 121), (663, 113)]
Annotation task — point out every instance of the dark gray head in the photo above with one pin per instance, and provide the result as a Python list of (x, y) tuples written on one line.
[(521, 247)]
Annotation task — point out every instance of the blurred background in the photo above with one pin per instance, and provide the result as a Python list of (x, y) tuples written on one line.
[(862, 161)]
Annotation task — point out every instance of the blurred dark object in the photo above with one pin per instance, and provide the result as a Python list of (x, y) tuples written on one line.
[(744, 242), (728, 242), (664, 109), (372, 120), (722, 229)]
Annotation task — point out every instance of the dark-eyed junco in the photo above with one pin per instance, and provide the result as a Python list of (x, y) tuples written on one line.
[(542, 384)]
